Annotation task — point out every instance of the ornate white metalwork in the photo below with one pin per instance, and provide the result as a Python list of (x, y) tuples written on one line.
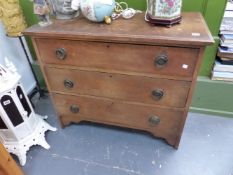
[(20, 126)]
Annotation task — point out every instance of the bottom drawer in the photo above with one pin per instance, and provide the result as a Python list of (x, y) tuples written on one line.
[(165, 123)]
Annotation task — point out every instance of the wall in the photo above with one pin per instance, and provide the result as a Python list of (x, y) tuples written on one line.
[(11, 48), (213, 97)]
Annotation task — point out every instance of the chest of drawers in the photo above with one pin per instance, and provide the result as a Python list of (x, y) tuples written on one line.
[(129, 73)]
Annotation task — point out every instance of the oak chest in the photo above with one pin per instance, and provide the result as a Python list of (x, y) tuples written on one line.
[(129, 73)]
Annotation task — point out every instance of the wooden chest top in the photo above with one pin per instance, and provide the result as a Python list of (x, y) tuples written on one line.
[(135, 30)]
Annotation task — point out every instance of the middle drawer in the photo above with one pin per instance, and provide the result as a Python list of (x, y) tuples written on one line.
[(117, 86)]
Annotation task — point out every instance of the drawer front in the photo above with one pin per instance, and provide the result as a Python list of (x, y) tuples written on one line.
[(123, 87), (144, 59), (78, 108)]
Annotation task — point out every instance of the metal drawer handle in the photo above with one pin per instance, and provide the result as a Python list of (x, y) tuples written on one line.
[(68, 83), (157, 94), (74, 109), (161, 60), (61, 53), (154, 120)]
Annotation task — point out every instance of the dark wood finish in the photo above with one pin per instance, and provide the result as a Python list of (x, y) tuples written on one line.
[(7, 164), (163, 21), (120, 113), (117, 86), (110, 73), (124, 57)]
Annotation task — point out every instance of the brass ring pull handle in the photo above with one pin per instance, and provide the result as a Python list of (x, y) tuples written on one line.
[(157, 94), (68, 83), (154, 120), (74, 109), (61, 53), (161, 60)]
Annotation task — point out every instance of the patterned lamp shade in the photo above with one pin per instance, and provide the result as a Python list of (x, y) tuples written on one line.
[(163, 12), (12, 17), (20, 127)]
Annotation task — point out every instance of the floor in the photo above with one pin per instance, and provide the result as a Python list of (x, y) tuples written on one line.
[(206, 148)]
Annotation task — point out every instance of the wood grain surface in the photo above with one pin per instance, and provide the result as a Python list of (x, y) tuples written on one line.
[(7, 164), (122, 87), (119, 113), (123, 58), (192, 31)]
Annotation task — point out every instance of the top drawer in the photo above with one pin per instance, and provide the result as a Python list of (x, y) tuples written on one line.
[(142, 59)]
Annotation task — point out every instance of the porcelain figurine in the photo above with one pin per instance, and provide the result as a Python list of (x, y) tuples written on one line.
[(42, 10)]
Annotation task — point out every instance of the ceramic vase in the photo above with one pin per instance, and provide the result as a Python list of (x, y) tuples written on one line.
[(163, 12)]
